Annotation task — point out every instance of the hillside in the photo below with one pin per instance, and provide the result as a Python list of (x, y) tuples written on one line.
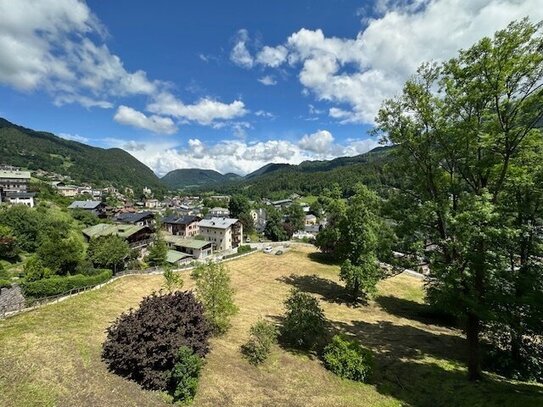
[(312, 177), (195, 177), (35, 150)]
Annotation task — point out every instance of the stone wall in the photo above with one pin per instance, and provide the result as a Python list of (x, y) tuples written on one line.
[(11, 299)]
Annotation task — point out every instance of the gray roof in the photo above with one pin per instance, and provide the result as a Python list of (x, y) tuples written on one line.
[(85, 204), (15, 174), (180, 220), (20, 194), (217, 223), (134, 217), (183, 242)]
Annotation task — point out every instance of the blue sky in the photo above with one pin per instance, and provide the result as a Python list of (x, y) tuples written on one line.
[(229, 86)]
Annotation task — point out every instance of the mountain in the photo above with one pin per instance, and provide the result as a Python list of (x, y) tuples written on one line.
[(194, 177), (267, 169), (35, 150)]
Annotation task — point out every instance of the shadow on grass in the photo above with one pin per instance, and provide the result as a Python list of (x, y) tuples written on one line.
[(324, 258), (329, 290), (415, 311), (403, 370)]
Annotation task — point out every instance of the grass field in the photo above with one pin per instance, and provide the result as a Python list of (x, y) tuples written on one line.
[(51, 356)]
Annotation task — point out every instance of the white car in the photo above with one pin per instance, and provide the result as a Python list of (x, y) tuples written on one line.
[(267, 249)]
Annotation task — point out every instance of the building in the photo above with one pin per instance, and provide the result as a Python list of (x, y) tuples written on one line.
[(137, 218), (259, 218), (218, 212), (96, 207), (14, 186), (136, 236), (185, 226), (310, 220), (283, 203), (224, 233), (176, 258), (152, 203), (198, 249)]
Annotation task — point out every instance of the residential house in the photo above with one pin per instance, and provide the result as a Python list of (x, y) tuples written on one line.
[(310, 220), (218, 212), (137, 218), (14, 186), (225, 233), (152, 203), (176, 258), (198, 249), (136, 236), (96, 207), (283, 203), (186, 225)]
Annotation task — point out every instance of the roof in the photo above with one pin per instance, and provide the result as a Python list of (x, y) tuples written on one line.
[(189, 243), (282, 201), (85, 204), (180, 220), (219, 209), (217, 223), (129, 217), (173, 256), (103, 229), (310, 217), (15, 174), (20, 194)]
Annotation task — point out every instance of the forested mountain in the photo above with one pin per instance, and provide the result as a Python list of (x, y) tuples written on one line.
[(312, 177), (35, 150), (194, 177)]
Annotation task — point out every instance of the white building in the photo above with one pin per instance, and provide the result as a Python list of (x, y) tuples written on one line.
[(14, 187), (224, 233), (218, 212)]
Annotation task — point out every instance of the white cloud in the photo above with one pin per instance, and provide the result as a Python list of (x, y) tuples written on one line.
[(263, 113), (267, 80), (156, 124), (240, 55), (358, 73), (205, 111), (320, 142), (239, 156)]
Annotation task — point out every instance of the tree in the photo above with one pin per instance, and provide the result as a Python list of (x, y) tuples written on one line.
[(158, 252), (185, 375), (214, 290), (295, 216), (262, 336), (172, 280), (143, 344), (24, 223), (34, 269), (358, 243), (108, 252), (457, 148), (62, 256), (8, 243), (274, 226), (304, 324), (239, 204), (328, 238)]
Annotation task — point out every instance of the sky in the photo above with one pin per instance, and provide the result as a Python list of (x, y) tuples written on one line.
[(226, 85)]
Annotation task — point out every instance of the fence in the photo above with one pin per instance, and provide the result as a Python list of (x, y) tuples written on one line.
[(29, 304)]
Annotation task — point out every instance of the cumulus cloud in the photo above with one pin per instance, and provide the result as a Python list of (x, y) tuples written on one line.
[(156, 124), (267, 80), (240, 55), (239, 156), (356, 74)]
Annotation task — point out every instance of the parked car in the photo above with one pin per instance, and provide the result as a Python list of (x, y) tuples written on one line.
[(267, 249), (279, 252)]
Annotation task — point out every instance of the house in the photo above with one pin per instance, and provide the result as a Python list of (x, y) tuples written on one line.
[(177, 258), (152, 203), (14, 186), (137, 218), (283, 203), (136, 236), (96, 207), (198, 249), (186, 225), (67, 190), (224, 233), (218, 212), (310, 220)]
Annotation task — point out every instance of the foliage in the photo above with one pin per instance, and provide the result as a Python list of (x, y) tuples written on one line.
[(348, 359), (238, 204), (295, 216), (193, 177), (34, 269), (361, 279), (304, 323), (108, 252), (88, 218), (158, 252), (214, 290), (185, 375), (60, 255), (244, 249), (458, 151), (8, 243), (262, 336), (59, 285), (143, 344), (274, 226), (24, 223), (172, 280)]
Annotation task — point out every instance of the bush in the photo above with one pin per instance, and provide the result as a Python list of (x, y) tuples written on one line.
[(258, 347), (304, 324), (244, 249), (348, 359), (185, 375), (143, 344), (59, 285), (5, 283)]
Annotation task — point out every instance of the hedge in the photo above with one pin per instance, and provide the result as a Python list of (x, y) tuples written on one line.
[(60, 285)]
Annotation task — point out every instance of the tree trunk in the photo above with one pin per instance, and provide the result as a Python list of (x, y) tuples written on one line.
[(474, 352)]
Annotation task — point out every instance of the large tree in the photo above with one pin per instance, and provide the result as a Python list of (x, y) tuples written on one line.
[(458, 147), (108, 252)]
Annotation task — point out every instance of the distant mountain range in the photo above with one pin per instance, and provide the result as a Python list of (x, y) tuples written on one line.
[(194, 177), (35, 150)]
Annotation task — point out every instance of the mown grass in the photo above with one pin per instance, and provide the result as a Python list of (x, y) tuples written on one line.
[(51, 357)]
